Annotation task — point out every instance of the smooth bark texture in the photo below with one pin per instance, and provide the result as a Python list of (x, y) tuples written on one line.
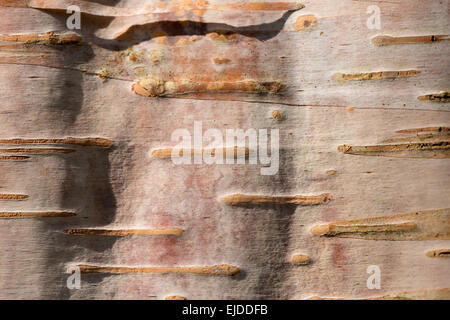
[(87, 118)]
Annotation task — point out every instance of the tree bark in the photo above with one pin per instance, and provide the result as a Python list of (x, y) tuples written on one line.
[(88, 180)]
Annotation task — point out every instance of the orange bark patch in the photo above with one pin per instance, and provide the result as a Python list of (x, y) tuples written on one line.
[(263, 6), (304, 22)]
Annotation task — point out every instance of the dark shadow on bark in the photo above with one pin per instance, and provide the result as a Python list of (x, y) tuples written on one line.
[(273, 267), (269, 233), (140, 33), (88, 190)]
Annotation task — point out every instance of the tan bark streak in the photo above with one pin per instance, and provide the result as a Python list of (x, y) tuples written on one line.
[(38, 151), (85, 142), (441, 253), (13, 197), (419, 225), (428, 129), (14, 158), (300, 259), (175, 298), (126, 232), (226, 152), (428, 294), (436, 150), (388, 40), (443, 96), (374, 75), (48, 214), (46, 38), (243, 199), (160, 88), (219, 270)]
